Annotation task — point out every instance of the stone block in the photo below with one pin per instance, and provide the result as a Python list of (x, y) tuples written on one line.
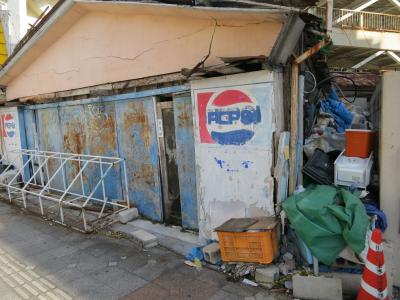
[(212, 253), (267, 275), (350, 282), (128, 215), (317, 288), (146, 239)]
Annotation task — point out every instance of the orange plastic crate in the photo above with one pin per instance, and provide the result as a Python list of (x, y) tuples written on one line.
[(258, 247), (359, 142)]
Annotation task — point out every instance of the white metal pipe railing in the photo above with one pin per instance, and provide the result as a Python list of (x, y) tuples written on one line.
[(346, 18), (66, 196)]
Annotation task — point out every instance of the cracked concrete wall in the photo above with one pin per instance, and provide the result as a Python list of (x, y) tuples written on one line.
[(106, 47)]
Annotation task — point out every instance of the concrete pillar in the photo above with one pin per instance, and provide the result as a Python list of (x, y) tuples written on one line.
[(389, 170), (18, 20)]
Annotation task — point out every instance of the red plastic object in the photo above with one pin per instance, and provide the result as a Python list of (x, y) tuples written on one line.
[(359, 142)]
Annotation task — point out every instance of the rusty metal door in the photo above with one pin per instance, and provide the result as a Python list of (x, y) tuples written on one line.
[(137, 142), (50, 138), (74, 141), (169, 168), (185, 156), (101, 139)]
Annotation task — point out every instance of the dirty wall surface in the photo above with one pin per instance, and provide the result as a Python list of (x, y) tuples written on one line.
[(234, 124)]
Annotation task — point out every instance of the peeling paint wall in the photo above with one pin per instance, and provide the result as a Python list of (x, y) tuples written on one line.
[(120, 128), (106, 45), (234, 125)]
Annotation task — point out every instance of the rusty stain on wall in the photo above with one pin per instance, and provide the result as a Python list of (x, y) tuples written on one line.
[(137, 142)]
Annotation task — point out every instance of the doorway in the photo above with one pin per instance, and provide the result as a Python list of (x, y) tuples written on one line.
[(168, 162)]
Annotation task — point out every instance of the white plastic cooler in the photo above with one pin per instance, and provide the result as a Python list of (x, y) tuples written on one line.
[(353, 171)]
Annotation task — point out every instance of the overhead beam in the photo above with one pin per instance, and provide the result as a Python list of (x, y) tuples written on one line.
[(357, 9), (396, 3), (394, 56), (370, 40), (368, 59)]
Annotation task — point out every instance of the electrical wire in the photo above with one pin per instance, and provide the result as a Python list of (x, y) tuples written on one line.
[(314, 84), (341, 76)]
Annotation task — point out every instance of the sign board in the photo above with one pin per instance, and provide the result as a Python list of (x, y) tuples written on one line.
[(234, 127), (10, 135)]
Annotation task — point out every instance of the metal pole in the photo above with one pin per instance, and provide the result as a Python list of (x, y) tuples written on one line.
[(126, 184), (294, 111), (97, 185), (73, 181), (55, 173), (103, 188), (301, 134), (82, 185), (63, 173)]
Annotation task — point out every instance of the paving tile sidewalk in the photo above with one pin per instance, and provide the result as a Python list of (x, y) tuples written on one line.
[(40, 260)]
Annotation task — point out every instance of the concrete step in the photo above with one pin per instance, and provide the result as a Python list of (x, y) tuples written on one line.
[(169, 237)]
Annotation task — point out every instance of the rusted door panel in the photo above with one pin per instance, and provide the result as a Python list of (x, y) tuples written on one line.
[(30, 132), (101, 139), (72, 120), (50, 139), (137, 143), (186, 160)]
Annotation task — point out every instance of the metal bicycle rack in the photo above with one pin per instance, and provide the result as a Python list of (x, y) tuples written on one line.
[(36, 185)]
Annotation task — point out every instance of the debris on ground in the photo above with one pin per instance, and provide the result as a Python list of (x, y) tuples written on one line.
[(128, 215), (212, 253), (266, 276), (236, 272), (249, 282), (288, 265)]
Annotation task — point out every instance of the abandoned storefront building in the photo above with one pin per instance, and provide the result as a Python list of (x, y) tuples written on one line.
[(184, 113), (119, 80)]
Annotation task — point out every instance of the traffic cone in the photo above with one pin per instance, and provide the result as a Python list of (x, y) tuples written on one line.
[(373, 282)]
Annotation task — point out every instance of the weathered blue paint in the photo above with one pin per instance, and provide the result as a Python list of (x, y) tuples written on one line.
[(236, 137), (137, 143), (186, 160), (247, 163), (50, 139), (72, 126), (125, 126), (101, 139), (30, 133), (121, 97)]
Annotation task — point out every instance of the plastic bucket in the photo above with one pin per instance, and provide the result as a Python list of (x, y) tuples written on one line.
[(359, 142)]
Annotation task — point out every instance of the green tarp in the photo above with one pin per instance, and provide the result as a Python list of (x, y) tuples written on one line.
[(327, 219)]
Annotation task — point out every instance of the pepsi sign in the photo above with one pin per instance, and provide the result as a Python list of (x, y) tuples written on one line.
[(227, 118), (8, 126)]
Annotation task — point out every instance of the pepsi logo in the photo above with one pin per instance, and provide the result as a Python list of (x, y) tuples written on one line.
[(8, 125), (228, 117)]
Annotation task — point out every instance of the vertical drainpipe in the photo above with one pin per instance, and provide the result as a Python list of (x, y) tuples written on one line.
[(294, 110), (329, 16), (300, 131)]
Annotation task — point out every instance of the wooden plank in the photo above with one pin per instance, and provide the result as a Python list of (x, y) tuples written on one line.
[(294, 110)]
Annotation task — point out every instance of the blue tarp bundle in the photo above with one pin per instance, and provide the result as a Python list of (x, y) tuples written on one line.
[(373, 210), (342, 116)]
